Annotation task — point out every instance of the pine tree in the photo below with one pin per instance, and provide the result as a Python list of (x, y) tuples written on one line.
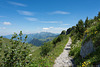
[(95, 18), (80, 28), (99, 15), (86, 23), (63, 32)]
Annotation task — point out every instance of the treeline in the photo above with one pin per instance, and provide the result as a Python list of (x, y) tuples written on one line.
[(81, 27)]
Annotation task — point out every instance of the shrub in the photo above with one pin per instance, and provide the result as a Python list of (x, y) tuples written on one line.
[(63, 32), (98, 27), (47, 47), (97, 40), (14, 54), (54, 41), (60, 38)]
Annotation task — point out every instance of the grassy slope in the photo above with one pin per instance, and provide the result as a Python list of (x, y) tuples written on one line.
[(48, 60)]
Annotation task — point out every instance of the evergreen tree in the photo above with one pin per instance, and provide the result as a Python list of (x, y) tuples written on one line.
[(95, 18), (86, 23), (80, 28), (76, 28), (63, 32), (99, 15)]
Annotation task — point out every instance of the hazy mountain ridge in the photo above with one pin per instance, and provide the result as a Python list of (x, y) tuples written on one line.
[(37, 37)]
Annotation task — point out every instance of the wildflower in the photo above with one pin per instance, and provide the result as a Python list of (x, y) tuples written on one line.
[(86, 31), (83, 65), (95, 32), (30, 54), (89, 62)]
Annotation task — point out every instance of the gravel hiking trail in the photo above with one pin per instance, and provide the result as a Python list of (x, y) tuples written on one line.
[(64, 60)]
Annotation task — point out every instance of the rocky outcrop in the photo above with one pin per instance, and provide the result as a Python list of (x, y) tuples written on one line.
[(86, 48)]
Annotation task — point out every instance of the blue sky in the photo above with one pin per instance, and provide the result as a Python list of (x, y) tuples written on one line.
[(34, 16)]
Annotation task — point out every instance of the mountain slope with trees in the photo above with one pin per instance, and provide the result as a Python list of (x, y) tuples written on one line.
[(81, 34)]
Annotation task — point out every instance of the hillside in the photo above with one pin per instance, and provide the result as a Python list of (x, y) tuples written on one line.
[(39, 42), (85, 46), (36, 42)]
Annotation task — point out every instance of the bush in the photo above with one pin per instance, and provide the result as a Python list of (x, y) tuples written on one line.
[(47, 47), (63, 32), (15, 53), (98, 27), (97, 40), (58, 39), (54, 41)]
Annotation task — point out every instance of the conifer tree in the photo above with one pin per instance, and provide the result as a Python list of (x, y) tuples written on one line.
[(86, 23), (99, 15), (80, 28)]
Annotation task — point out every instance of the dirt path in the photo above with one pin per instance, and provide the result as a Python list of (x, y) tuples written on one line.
[(64, 60)]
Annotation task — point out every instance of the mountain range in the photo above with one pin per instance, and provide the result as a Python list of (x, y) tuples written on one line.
[(37, 39)]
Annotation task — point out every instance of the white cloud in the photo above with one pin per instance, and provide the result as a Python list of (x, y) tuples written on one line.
[(25, 12), (32, 19), (54, 29), (18, 4), (51, 21), (2, 27), (6, 23), (59, 12), (66, 24), (47, 28)]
